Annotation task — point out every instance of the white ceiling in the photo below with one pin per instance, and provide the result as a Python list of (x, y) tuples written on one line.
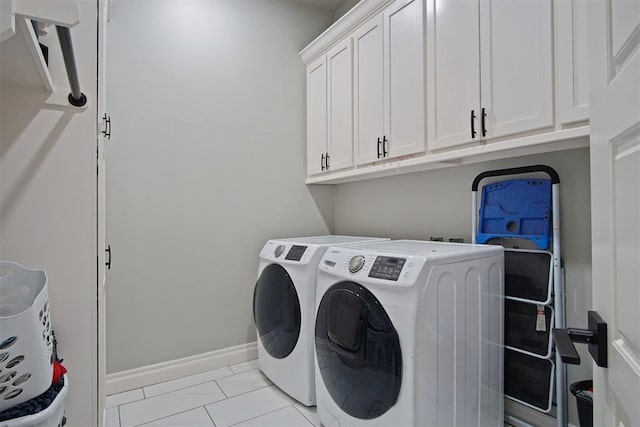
[(330, 5)]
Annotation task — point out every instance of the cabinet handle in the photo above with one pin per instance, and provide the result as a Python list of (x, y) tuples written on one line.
[(326, 161), (484, 127), (108, 262), (106, 131), (379, 142), (473, 124), (322, 161), (384, 146)]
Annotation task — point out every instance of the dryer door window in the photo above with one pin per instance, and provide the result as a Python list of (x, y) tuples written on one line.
[(276, 311), (358, 351)]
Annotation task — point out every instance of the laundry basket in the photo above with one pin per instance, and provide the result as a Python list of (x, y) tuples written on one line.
[(26, 365), (51, 416)]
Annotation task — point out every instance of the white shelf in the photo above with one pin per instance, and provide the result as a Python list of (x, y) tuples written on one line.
[(21, 60), (7, 24)]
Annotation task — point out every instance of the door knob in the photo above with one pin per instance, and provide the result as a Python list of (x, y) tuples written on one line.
[(595, 336)]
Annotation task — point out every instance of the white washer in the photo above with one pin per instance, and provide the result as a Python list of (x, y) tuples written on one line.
[(409, 333), (284, 310)]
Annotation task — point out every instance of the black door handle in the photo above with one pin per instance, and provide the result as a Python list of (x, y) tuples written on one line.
[(107, 126), (473, 124), (384, 146), (322, 161), (595, 336), (108, 262), (379, 142), (484, 127), (326, 161)]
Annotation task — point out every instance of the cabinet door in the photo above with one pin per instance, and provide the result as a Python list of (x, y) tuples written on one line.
[(516, 60), (404, 77), (572, 60), (340, 107), (368, 90), (453, 72), (316, 115)]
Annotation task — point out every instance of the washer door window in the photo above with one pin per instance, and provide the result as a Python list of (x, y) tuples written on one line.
[(358, 351), (276, 311)]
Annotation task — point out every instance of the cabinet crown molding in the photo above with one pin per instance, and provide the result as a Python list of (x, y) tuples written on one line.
[(341, 28)]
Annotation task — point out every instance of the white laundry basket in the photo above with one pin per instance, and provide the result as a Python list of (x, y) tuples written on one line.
[(52, 416), (26, 345)]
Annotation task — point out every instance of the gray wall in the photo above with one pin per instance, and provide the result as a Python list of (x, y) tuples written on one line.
[(48, 202), (438, 203), (206, 162)]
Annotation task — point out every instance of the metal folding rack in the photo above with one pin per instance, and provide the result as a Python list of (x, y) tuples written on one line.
[(527, 217)]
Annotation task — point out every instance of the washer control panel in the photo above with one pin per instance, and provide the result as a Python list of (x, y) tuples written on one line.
[(388, 268), (295, 253)]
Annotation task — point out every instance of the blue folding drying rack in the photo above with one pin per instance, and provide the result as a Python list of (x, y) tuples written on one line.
[(527, 208)]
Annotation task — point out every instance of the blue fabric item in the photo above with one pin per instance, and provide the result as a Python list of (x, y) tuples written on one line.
[(35, 405)]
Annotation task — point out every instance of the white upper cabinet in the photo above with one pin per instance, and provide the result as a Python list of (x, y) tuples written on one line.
[(445, 82), (330, 111), (490, 69), (516, 66), (340, 107), (453, 74), (389, 83), (316, 115), (572, 60), (404, 78), (368, 91)]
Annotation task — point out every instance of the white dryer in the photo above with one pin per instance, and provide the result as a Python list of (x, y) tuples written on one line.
[(284, 310), (409, 333)]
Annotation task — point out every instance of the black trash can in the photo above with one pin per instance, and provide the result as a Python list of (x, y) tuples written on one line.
[(583, 391)]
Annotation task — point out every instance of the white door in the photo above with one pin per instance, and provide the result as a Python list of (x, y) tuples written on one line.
[(368, 118), (101, 241), (316, 116), (614, 73), (453, 73), (404, 78), (340, 107), (516, 66)]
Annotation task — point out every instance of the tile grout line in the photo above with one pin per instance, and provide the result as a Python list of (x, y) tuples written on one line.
[(247, 392), (301, 413), (126, 403), (172, 415), (209, 413), (226, 397), (182, 388), (193, 375), (179, 378), (204, 406), (223, 393), (258, 416)]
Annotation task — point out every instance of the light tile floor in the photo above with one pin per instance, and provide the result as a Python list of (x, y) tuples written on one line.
[(236, 395)]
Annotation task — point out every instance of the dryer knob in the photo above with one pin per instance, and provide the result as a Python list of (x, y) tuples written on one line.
[(279, 250), (356, 263)]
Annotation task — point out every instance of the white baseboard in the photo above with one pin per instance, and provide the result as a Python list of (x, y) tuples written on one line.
[(166, 371)]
